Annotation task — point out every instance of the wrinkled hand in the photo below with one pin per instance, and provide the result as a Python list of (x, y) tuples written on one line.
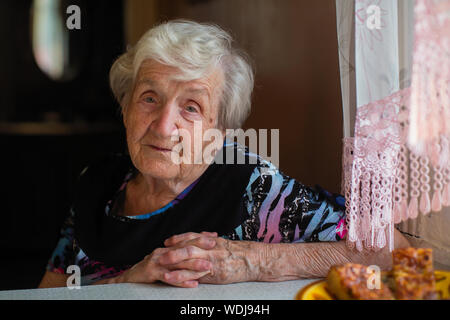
[(182, 273), (231, 261)]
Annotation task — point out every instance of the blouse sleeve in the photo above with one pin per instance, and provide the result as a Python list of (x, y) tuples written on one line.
[(281, 209), (64, 253)]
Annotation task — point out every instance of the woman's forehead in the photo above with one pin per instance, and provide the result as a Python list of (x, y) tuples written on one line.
[(154, 67), (157, 74)]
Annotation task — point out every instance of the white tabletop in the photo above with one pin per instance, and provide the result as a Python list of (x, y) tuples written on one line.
[(285, 290)]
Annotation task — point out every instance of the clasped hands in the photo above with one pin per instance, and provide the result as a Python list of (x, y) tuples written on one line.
[(192, 258)]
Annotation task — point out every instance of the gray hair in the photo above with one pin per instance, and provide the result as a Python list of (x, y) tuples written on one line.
[(195, 49)]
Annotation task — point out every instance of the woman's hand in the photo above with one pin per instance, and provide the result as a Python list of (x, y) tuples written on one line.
[(187, 271), (231, 261)]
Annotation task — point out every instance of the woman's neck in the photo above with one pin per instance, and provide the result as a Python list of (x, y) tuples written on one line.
[(170, 188), (146, 193)]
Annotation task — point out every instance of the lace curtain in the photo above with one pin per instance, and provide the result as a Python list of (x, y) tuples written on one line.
[(394, 60)]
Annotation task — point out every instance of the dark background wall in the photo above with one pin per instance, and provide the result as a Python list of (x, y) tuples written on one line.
[(50, 130), (292, 43)]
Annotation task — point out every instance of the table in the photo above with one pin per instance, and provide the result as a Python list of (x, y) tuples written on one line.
[(285, 290)]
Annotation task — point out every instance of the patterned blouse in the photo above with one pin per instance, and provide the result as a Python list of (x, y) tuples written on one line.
[(279, 208)]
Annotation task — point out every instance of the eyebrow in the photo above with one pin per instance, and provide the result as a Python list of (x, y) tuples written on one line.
[(198, 91), (155, 84)]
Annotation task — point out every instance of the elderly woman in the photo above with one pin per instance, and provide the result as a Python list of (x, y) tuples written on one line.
[(144, 217)]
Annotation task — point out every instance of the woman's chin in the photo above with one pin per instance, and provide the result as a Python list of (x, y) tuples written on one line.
[(159, 169)]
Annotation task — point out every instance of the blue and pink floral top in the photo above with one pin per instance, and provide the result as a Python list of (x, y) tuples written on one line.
[(278, 208)]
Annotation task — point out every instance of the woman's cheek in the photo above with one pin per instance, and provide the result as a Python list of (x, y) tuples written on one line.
[(139, 126)]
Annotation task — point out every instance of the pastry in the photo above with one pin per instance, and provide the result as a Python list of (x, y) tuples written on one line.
[(411, 278), (413, 274), (351, 282)]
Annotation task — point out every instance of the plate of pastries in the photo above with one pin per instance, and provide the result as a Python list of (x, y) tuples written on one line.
[(412, 277)]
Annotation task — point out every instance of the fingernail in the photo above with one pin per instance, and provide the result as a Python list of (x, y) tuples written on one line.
[(167, 276)]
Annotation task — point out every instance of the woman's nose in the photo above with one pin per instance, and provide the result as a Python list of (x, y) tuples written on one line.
[(164, 123)]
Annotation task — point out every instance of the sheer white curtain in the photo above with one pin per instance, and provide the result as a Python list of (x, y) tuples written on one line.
[(394, 63)]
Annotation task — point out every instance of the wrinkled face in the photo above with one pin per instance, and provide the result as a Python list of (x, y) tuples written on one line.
[(160, 110)]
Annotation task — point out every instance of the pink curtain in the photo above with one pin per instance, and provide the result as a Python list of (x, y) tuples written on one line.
[(395, 78)]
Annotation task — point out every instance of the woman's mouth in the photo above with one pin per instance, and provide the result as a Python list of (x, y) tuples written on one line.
[(159, 148)]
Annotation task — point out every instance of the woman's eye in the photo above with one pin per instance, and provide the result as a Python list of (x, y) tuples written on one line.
[(149, 100), (191, 109)]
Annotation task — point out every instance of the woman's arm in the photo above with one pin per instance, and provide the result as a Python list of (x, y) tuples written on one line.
[(238, 261), (285, 261), (53, 280), (62, 257)]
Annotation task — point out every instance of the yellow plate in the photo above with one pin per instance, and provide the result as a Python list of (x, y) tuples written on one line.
[(318, 290)]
